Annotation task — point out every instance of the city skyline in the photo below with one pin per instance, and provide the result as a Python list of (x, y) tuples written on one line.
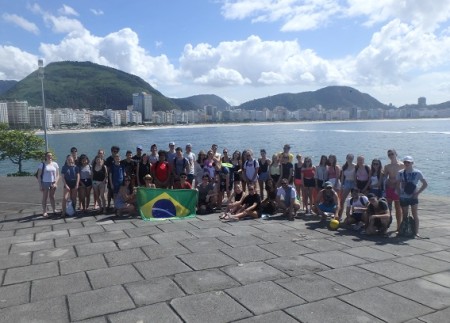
[(241, 49)]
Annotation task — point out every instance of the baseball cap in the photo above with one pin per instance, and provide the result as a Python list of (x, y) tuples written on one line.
[(171, 143), (327, 184), (139, 147), (408, 159)]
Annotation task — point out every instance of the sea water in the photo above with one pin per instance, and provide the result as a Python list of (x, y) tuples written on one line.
[(427, 140)]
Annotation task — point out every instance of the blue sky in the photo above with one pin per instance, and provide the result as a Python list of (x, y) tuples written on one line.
[(240, 50)]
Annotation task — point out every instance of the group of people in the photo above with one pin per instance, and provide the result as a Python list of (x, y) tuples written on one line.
[(250, 186)]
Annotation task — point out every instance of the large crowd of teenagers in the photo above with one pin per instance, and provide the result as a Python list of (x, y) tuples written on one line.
[(241, 185)]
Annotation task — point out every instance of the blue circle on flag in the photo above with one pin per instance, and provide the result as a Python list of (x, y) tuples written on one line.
[(164, 209)]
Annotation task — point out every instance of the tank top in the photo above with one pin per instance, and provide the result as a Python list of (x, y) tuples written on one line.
[(332, 172), (99, 175), (362, 174), (308, 172), (238, 196), (275, 170), (349, 174), (263, 168), (297, 172)]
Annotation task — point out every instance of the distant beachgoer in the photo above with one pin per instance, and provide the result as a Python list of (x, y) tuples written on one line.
[(161, 171), (149, 181), (250, 168), (237, 167), (99, 182), (153, 157), (287, 199), (321, 175), (298, 175), (48, 177), (70, 174), (390, 180), (362, 175), (309, 183), (250, 206), (334, 173), (125, 199), (275, 169), (287, 169), (84, 190), (376, 178), (378, 214), (130, 167), (198, 167), (327, 202), (143, 168), (286, 152), (190, 156), (348, 178), (263, 172), (180, 164), (182, 183), (109, 162)]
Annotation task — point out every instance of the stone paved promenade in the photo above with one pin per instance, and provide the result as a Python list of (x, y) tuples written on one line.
[(105, 269)]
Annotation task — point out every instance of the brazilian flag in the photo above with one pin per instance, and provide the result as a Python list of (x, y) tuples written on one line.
[(161, 204)]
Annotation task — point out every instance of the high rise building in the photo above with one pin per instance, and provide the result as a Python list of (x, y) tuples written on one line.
[(422, 101), (3, 112), (18, 115), (143, 103)]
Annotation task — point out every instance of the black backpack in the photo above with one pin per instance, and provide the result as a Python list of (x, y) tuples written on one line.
[(407, 227)]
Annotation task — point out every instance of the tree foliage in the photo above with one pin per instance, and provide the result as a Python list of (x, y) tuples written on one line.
[(19, 145)]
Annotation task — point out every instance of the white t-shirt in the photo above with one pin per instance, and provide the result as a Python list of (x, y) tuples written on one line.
[(191, 158), (250, 167), (356, 203), (282, 193), (49, 172)]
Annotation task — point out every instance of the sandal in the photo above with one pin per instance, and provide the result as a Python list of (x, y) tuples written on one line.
[(223, 216), (230, 218)]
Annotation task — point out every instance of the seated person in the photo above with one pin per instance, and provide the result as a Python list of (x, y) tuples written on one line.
[(328, 202), (148, 181), (235, 200), (378, 213), (206, 196), (269, 204), (125, 199), (356, 209), (250, 206), (287, 199), (182, 183)]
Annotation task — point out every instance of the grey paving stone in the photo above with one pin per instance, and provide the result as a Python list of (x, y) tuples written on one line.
[(243, 240), (82, 264), (253, 272), (270, 227), (401, 250), (264, 297), (425, 263), (153, 291), (123, 257), (156, 252), (369, 253), (330, 310), (437, 317), (142, 231), (209, 307), (51, 235), (72, 241), (203, 245), (94, 248), (50, 310), (426, 245), (241, 230), (15, 260), (200, 261), (32, 272), (385, 305), (312, 287), (59, 286), (55, 254), (440, 255), (248, 254), (161, 267), (277, 316), (119, 226), (445, 241), (204, 281), (16, 239), (171, 238), (278, 236), (423, 292), (298, 265), (33, 230), (14, 295), (204, 224), (135, 242), (336, 259), (107, 236), (5, 234), (31, 246), (99, 302), (98, 319), (67, 226), (209, 233), (176, 226), (84, 230), (356, 278), (16, 225), (286, 249), (440, 278), (321, 245), (152, 314), (117, 275), (394, 270)]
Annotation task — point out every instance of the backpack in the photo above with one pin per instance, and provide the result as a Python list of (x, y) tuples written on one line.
[(360, 200), (42, 172), (407, 227), (254, 163)]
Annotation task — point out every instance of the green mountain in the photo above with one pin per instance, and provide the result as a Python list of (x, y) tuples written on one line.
[(331, 97), (84, 85), (5, 85), (199, 101)]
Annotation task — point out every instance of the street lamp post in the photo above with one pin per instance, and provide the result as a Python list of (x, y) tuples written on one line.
[(41, 77)]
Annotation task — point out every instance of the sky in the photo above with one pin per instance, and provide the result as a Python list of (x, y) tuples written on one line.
[(240, 50)]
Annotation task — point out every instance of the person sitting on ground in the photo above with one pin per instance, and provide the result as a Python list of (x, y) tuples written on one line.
[(250, 206), (378, 213), (148, 181), (234, 202), (356, 209), (287, 199), (269, 204), (327, 202), (206, 196), (182, 183), (125, 199)]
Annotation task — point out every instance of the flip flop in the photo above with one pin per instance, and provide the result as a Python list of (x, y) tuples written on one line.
[(223, 216), (230, 218)]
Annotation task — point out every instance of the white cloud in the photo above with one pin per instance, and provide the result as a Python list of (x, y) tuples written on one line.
[(21, 22), (221, 76), (97, 12), (15, 64), (63, 25), (65, 10)]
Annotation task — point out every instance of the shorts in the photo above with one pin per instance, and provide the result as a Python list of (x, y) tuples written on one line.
[(309, 182), (391, 194), (263, 176), (406, 201), (47, 185), (377, 191), (275, 177), (357, 216), (297, 182), (327, 208), (71, 184), (361, 184), (320, 183), (87, 182), (348, 185)]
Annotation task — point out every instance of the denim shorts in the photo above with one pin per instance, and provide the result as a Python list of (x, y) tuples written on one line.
[(327, 208), (406, 201), (348, 185)]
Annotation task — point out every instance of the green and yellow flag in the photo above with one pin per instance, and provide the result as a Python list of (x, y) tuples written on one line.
[(162, 204)]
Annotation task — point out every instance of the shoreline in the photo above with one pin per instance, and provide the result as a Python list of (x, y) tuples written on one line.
[(212, 125)]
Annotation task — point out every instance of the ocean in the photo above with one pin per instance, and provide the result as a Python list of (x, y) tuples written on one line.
[(427, 140)]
